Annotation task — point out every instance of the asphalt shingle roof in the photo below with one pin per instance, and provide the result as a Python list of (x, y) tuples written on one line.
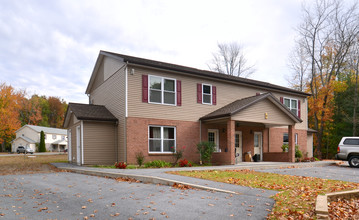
[(48, 130), (240, 104), (206, 73), (91, 112)]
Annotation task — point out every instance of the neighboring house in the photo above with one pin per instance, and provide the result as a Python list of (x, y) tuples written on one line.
[(29, 135), (140, 105)]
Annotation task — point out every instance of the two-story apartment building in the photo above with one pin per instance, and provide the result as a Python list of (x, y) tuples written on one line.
[(141, 105), (29, 135)]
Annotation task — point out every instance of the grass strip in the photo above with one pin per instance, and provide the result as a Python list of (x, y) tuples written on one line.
[(297, 196)]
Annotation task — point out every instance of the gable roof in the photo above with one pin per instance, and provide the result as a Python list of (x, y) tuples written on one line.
[(189, 70), (241, 104), (46, 130), (89, 112), (29, 140)]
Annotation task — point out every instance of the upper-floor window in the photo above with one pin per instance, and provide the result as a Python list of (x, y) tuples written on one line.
[(162, 139), (63, 137), (292, 104), (162, 90), (54, 136), (206, 94)]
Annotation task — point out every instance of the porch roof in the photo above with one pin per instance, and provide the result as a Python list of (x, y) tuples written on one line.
[(241, 104)]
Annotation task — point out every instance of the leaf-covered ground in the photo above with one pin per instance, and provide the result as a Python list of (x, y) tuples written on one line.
[(344, 209), (296, 199), (29, 164)]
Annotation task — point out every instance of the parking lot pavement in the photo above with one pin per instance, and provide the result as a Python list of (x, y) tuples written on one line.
[(75, 196), (333, 172)]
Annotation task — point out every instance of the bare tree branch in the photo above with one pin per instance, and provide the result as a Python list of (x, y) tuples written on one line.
[(230, 59)]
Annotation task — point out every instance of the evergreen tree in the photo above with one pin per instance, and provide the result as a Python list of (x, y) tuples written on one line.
[(42, 147)]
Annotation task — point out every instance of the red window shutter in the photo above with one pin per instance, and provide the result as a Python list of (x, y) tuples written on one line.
[(179, 95), (298, 108), (257, 94), (144, 88), (199, 93), (214, 95), (281, 100)]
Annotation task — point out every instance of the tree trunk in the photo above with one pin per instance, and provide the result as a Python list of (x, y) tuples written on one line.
[(355, 103), (3, 146)]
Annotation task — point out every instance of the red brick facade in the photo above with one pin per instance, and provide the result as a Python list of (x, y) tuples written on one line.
[(188, 136)]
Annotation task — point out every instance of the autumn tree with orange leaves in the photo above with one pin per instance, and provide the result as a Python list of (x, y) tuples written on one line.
[(326, 36), (10, 100), (16, 110)]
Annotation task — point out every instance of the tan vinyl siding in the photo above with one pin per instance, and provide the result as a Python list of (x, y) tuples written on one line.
[(111, 94), (190, 109), (256, 113), (99, 143), (99, 77)]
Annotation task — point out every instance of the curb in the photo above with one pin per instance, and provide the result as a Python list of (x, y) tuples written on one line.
[(146, 179), (169, 182)]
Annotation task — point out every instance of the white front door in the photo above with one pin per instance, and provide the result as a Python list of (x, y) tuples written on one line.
[(238, 146), (78, 145), (258, 143), (213, 137)]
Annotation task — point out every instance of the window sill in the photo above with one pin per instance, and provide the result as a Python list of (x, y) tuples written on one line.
[(159, 154)]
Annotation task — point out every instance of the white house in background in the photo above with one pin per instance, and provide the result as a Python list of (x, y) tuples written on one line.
[(29, 135)]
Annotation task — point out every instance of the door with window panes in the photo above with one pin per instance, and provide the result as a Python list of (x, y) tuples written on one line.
[(213, 138), (238, 146)]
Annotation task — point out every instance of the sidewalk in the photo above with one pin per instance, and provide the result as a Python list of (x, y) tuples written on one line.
[(159, 176)]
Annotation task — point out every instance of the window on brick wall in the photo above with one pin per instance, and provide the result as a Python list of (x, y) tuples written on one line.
[(286, 138), (161, 139)]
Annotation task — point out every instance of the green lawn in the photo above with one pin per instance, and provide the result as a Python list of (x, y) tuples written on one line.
[(296, 199)]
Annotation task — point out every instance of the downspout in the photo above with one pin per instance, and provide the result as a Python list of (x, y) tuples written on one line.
[(200, 131), (82, 142), (116, 140), (126, 114)]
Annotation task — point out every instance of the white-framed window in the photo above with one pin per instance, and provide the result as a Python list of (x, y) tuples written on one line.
[(206, 94), (213, 137), (292, 104), (286, 138), (162, 90), (161, 139), (54, 136)]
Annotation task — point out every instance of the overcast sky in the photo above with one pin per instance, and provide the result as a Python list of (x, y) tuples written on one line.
[(50, 47)]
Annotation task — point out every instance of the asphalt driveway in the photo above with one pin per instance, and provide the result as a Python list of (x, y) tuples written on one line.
[(76, 196), (334, 172)]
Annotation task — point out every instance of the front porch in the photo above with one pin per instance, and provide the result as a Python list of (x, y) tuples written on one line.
[(247, 125)]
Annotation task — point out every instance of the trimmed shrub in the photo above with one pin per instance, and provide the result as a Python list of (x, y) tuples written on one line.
[(206, 150), (298, 153), (157, 164)]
